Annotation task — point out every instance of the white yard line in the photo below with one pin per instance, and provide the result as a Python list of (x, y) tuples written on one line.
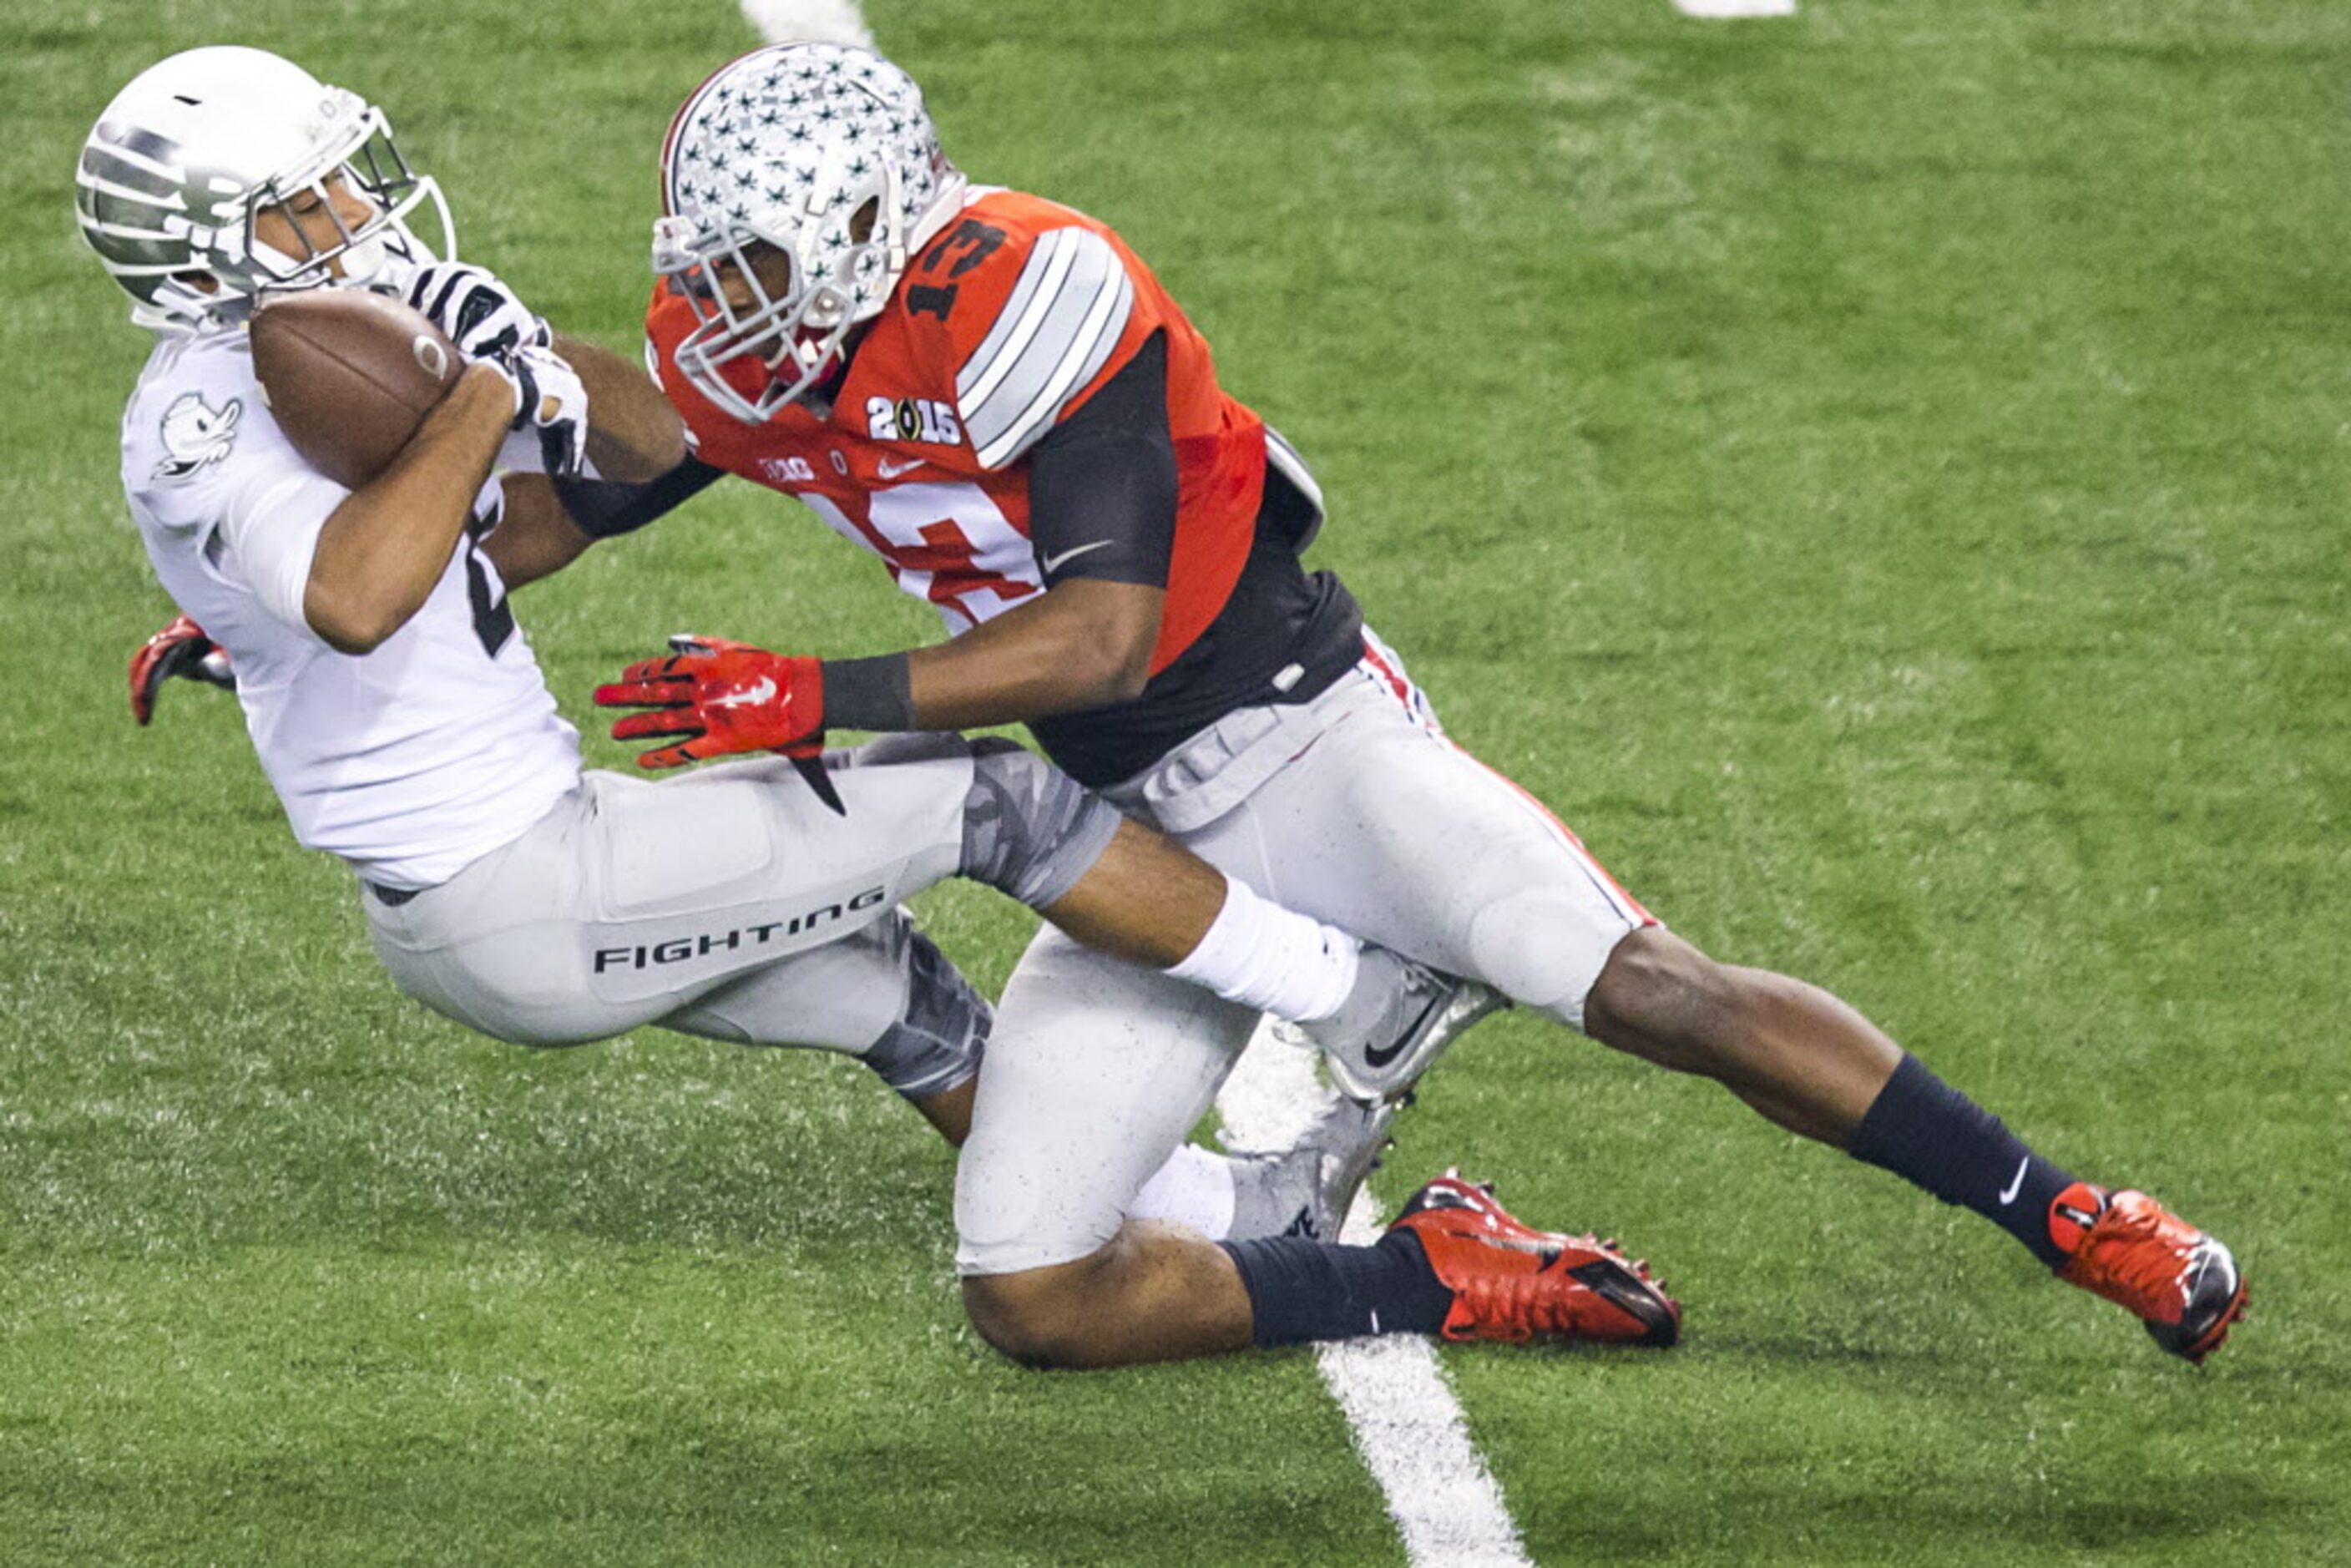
[(808, 21), (1731, 10), (1408, 1426)]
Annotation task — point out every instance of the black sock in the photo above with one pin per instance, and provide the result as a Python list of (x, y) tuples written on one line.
[(1301, 1291), (1926, 1131)]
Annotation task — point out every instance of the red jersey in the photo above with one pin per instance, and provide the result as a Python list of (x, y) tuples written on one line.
[(1008, 321)]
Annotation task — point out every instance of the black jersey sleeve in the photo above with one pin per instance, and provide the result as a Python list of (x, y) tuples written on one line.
[(1103, 483)]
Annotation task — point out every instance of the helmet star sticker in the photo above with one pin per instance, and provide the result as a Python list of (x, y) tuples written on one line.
[(822, 155)]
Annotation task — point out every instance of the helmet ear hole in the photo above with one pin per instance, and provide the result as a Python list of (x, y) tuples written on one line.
[(861, 222)]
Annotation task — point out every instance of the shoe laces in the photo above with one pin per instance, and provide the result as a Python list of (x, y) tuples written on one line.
[(1519, 1305), (1549, 1301), (2138, 1255)]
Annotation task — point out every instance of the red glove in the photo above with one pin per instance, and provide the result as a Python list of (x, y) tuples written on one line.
[(724, 698), (181, 649)]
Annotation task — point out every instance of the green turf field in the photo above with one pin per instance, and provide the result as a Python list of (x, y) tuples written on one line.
[(1880, 476)]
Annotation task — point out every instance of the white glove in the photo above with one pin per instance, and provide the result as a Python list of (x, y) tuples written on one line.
[(551, 405), (486, 320)]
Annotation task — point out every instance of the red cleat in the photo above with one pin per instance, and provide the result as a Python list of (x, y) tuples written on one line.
[(2130, 1249), (1511, 1282)]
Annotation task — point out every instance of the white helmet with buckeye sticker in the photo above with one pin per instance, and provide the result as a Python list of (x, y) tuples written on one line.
[(805, 175), (198, 146)]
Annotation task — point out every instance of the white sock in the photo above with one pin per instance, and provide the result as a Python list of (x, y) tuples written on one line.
[(1273, 959), (1195, 1187)]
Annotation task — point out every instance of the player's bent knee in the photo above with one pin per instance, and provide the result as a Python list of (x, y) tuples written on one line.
[(1536, 948), (1039, 1317), (940, 1035), (552, 1036), (541, 1029), (1028, 828)]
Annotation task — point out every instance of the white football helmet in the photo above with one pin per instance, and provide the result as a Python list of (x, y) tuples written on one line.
[(824, 152), (185, 158)]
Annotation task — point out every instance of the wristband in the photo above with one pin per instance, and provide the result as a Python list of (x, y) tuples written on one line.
[(875, 694)]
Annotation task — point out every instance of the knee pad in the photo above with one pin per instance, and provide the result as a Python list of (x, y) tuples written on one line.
[(942, 1032), (1028, 828)]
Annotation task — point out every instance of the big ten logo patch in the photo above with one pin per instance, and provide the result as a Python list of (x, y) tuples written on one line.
[(911, 419)]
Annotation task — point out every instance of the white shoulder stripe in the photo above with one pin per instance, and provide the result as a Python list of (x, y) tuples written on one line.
[(1096, 336), (1065, 313), (1039, 284)]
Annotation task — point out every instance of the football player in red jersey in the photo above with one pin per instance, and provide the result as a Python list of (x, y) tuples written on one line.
[(398, 709), (993, 394)]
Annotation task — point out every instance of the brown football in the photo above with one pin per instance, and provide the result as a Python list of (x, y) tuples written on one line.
[(349, 375)]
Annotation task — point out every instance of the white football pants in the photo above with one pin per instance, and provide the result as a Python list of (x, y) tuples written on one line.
[(1353, 808), (729, 903)]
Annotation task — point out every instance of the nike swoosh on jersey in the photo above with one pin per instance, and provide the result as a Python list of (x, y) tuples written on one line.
[(749, 697), (1053, 562), (889, 470)]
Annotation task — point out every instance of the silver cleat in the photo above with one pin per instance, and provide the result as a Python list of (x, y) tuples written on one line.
[(1308, 1188), (1377, 1049)]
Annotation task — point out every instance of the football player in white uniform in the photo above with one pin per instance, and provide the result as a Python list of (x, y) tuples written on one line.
[(400, 714), (840, 316)]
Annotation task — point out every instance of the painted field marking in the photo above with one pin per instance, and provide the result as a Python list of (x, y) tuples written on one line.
[(808, 21), (1731, 10), (1408, 1426)]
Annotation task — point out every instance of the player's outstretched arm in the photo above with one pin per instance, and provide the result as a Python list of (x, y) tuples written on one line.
[(1081, 645), (634, 436), (535, 538), (1103, 490), (550, 522)]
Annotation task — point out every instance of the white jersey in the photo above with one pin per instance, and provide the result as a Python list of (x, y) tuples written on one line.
[(410, 762)]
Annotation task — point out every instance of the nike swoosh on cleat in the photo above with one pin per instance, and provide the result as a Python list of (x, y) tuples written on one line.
[(2017, 1185), (1626, 1290), (1378, 1056)]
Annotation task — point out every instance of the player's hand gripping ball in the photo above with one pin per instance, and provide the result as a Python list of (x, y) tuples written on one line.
[(552, 402), (474, 307)]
